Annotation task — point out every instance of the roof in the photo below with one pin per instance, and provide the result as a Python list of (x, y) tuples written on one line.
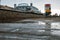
[(27, 6), (23, 4)]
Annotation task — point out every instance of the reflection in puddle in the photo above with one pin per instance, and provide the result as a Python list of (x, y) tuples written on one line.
[(32, 28)]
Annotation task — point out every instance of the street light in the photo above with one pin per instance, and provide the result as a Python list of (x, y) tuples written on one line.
[(0, 3)]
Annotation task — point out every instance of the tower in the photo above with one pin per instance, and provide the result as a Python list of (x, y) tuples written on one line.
[(47, 9), (31, 4), (14, 5)]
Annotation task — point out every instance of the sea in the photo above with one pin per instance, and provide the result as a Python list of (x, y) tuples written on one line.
[(30, 30)]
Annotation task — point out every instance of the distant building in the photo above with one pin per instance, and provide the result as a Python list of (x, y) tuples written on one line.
[(24, 7)]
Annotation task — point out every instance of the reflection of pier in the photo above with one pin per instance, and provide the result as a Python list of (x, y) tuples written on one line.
[(25, 33)]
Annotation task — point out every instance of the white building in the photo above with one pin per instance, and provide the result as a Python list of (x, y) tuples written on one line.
[(24, 7)]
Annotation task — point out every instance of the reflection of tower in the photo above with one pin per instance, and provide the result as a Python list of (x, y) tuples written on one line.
[(47, 9)]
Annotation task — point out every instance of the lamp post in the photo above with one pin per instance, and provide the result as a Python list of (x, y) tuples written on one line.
[(0, 3)]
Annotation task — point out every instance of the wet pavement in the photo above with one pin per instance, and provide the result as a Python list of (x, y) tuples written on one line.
[(28, 31)]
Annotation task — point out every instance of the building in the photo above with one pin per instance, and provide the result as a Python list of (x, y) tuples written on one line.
[(24, 7)]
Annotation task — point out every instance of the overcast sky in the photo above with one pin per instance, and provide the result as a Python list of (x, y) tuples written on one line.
[(55, 4)]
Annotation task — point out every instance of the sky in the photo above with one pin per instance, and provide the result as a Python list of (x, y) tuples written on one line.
[(55, 4)]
